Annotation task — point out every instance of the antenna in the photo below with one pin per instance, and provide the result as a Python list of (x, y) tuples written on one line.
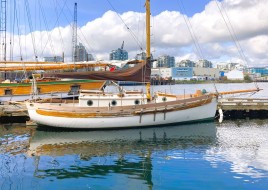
[(74, 40)]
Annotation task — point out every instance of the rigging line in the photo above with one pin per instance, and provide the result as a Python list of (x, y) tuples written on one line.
[(236, 38), (43, 14), (31, 28), (194, 38), (130, 31), (19, 36), (84, 37), (47, 30), (58, 15), (79, 29), (229, 29), (189, 27)]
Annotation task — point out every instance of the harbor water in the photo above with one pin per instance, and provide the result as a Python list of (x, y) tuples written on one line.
[(208, 155)]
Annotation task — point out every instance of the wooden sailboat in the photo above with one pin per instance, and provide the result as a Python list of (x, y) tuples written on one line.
[(47, 86), (101, 110)]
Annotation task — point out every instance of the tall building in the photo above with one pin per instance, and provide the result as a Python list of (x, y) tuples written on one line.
[(119, 54), (204, 63), (186, 63), (90, 57), (141, 56), (166, 61), (80, 53), (53, 59)]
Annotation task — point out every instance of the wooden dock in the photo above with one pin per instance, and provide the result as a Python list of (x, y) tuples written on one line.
[(244, 107), (13, 112)]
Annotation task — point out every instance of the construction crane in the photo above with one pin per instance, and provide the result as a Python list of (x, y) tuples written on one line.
[(74, 40), (122, 46)]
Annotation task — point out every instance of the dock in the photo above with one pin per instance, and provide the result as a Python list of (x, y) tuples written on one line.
[(244, 107), (13, 112)]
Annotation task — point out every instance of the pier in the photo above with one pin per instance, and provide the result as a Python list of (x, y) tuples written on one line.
[(244, 107), (13, 112)]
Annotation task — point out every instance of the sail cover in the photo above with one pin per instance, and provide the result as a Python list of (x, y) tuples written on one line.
[(139, 73)]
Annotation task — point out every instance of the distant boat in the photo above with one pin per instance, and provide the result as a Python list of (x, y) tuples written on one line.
[(46, 88), (127, 108)]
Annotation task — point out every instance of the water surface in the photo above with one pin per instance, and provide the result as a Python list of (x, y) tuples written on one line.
[(230, 155)]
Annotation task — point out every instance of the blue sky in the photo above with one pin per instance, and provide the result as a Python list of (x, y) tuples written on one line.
[(101, 30), (89, 10)]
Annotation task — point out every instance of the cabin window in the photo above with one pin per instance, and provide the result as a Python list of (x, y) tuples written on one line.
[(113, 102), (137, 102), (164, 99), (8, 92), (89, 102), (74, 89)]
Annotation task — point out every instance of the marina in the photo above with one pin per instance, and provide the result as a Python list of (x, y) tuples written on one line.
[(181, 104)]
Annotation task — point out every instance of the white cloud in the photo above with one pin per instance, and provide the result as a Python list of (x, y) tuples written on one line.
[(170, 34)]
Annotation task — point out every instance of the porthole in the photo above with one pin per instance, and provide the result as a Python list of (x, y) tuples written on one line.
[(137, 102), (164, 99), (89, 102), (113, 102)]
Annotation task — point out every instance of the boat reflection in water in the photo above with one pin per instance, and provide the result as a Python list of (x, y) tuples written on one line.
[(103, 153)]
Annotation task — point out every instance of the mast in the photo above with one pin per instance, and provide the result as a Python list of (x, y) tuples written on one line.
[(148, 45)]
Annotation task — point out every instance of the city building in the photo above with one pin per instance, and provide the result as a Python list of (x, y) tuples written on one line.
[(141, 56), (234, 75), (201, 73), (263, 71), (54, 59), (166, 61), (80, 53), (186, 63), (182, 73), (119, 54), (90, 57), (230, 66), (204, 63)]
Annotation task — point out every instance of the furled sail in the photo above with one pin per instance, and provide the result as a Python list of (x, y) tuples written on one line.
[(139, 73)]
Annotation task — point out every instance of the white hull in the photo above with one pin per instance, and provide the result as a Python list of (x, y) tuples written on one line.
[(202, 112)]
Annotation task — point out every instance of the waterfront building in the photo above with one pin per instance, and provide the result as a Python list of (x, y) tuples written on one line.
[(119, 54), (166, 61), (90, 57), (201, 73), (80, 53), (186, 63), (230, 66), (263, 71), (235, 75), (141, 56), (204, 63), (54, 59), (182, 73)]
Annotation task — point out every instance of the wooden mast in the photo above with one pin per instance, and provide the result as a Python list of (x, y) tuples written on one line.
[(148, 45)]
